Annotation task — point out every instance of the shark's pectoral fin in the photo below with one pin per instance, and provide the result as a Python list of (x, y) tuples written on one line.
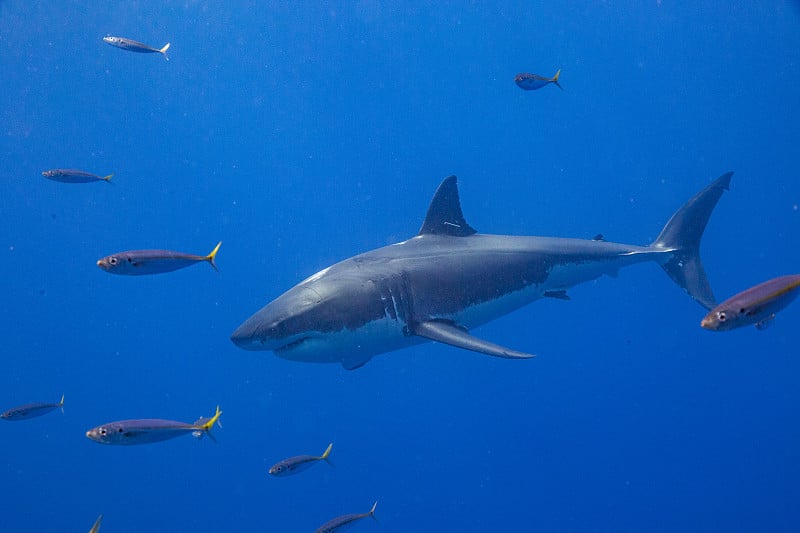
[(449, 333)]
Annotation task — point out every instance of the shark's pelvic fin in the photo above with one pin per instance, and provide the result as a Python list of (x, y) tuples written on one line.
[(444, 214), (351, 362), (448, 333), (560, 294), (682, 235)]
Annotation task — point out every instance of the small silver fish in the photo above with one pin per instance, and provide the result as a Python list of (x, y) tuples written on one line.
[(144, 262), (298, 463), (135, 46), (340, 521), (96, 526), (148, 430), (531, 82), (31, 410), (757, 305), (71, 175)]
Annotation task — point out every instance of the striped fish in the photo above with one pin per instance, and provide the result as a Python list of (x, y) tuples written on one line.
[(298, 463), (72, 175), (31, 410), (135, 46), (757, 305), (143, 262), (148, 430), (531, 82), (341, 521)]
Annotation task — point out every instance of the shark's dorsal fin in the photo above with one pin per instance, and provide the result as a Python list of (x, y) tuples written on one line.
[(444, 214)]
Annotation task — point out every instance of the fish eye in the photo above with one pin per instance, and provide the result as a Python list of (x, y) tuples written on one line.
[(112, 260), (103, 432), (722, 316), (119, 430), (130, 260)]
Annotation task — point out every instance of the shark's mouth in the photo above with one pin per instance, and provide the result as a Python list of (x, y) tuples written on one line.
[(312, 348), (294, 344)]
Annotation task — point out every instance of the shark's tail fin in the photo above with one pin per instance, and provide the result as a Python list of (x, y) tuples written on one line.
[(682, 234)]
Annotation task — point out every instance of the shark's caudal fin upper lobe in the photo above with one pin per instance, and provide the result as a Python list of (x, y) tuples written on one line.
[(682, 234)]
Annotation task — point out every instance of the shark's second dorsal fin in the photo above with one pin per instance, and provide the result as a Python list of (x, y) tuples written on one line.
[(444, 214)]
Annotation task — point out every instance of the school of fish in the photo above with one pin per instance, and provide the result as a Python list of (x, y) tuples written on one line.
[(755, 306)]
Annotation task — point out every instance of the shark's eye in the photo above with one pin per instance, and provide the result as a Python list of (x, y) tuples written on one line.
[(722, 316)]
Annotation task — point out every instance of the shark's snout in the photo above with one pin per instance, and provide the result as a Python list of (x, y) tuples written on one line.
[(245, 337), (258, 333)]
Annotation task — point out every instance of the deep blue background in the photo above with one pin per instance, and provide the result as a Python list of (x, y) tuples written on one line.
[(300, 135)]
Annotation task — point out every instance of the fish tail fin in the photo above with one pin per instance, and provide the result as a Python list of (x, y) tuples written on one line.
[(213, 420), (681, 236), (164, 51), (96, 526), (210, 257), (107, 178), (61, 403), (555, 79), (203, 425), (326, 454)]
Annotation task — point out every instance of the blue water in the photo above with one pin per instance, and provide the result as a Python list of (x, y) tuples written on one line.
[(300, 135)]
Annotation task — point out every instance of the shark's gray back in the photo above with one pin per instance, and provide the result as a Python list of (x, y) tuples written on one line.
[(435, 276)]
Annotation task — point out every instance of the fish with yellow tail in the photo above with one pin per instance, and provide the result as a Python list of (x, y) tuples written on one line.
[(135, 46), (341, 521), (298, 463), (31, 410), (149, 430), (531, 82), (756, 305), (145, 262), (73, 175)]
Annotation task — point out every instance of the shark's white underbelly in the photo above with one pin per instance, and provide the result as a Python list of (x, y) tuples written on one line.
[(378, 336), (560, 278)]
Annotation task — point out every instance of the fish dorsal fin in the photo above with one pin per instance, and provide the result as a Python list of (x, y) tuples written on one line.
[(444, 214)]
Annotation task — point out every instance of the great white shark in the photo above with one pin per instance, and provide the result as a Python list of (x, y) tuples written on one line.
[(449, 279)]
